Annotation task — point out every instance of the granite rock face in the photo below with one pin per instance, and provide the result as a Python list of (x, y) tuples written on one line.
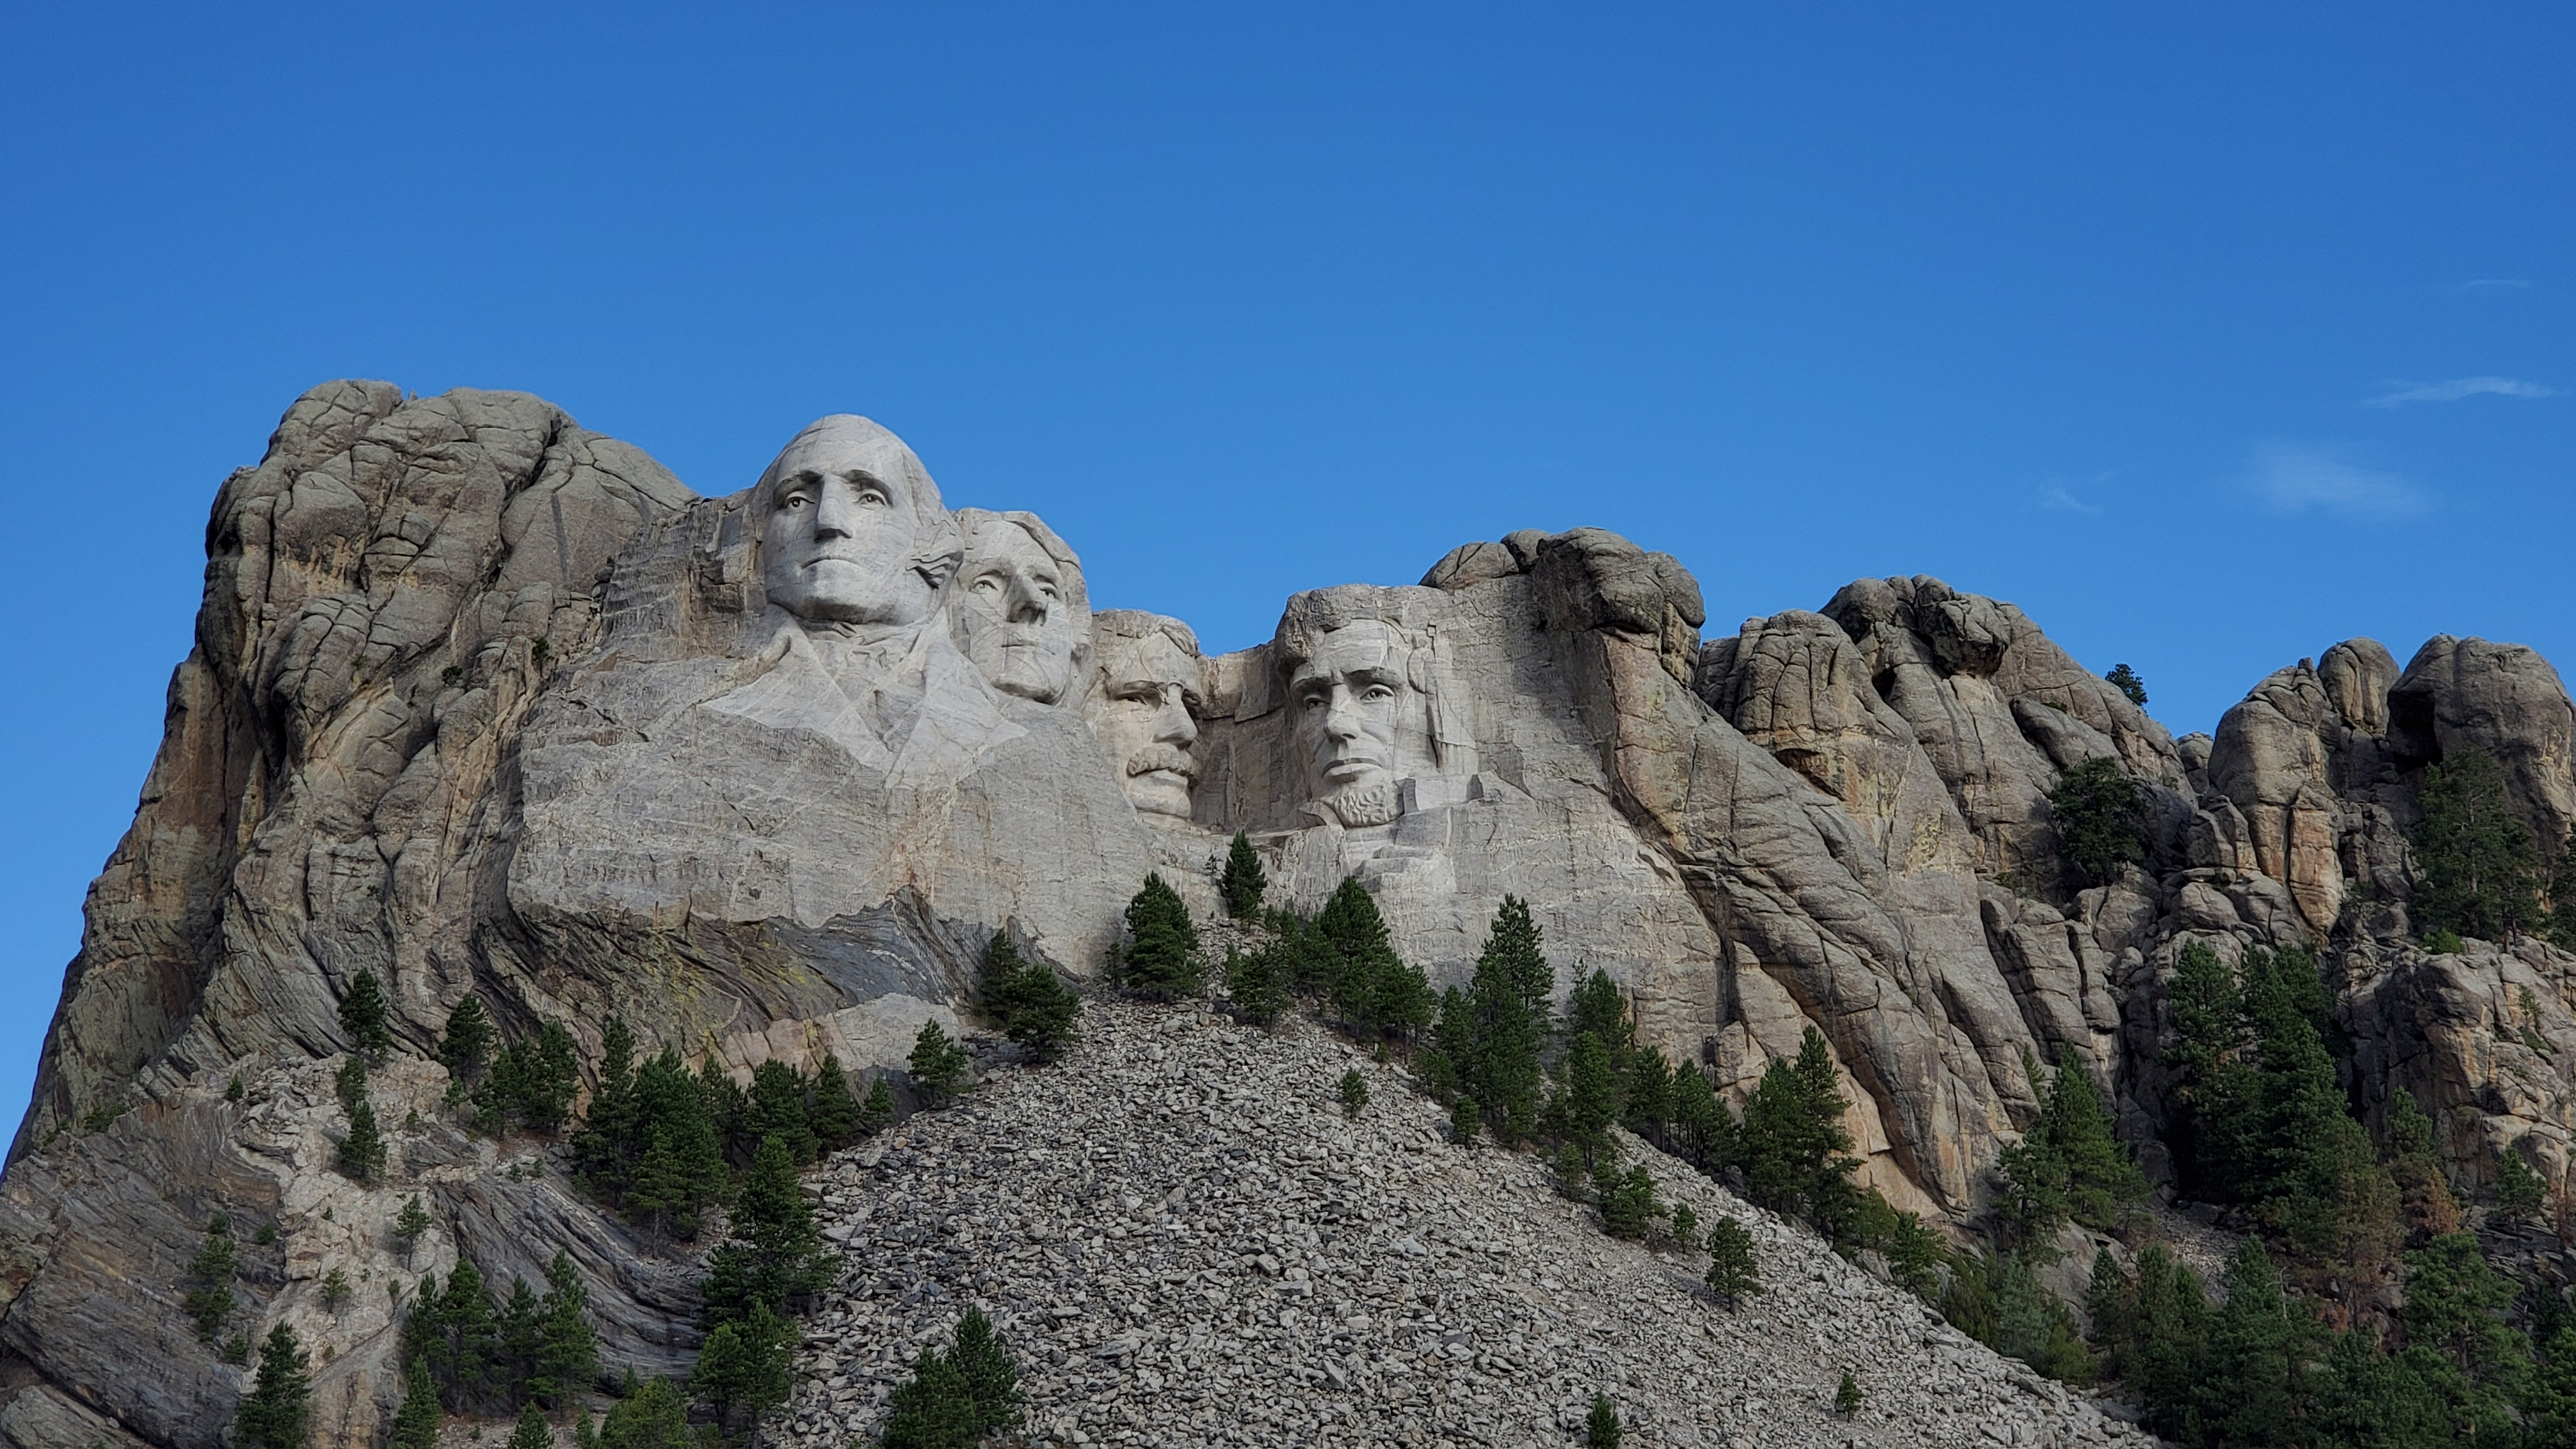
[(485, 704)]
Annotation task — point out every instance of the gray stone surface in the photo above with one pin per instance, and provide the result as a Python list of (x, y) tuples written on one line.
[(484, 703)]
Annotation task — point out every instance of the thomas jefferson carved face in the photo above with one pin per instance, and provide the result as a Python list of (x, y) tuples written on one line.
[(1146, 718), (1353, 701), (844, 516), (1014, 609)]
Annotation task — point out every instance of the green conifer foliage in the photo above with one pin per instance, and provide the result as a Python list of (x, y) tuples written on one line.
[(362, 1014), (778, 1110), (2255, 1378), (1028, 1001), (934, 1409), (1465, 1121), (1703, 1131), (938, 1064), (653, 1415), (350, 1082), (2477, 865), (1847, 1396), (1598, 1006), (2519, 1189), (277, 1413), (416, 1422), (876, 1110), (982, 1358), (466, 1046), (1490, 1035), (834, 1115), (1374, 991), (745, 1368), (2101, 816), (1794, 1142), (210, 1279), (532, 1431), (775, 1256), (2068, 1165), (1161, 958), (1256, 983), (1243, 881), (1996, 1299), (1601, 1427), (1591, 1091), (362, 1152), (408, 1227), (1354, 1091), (1628, 1206), (1573, 1177), (2126, 680), (567, 1356), (1685, 1228)]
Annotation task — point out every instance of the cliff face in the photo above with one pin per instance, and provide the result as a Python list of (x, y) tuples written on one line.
[(485, 704)]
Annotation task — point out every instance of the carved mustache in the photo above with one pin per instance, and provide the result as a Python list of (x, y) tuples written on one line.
[(1163, 757)]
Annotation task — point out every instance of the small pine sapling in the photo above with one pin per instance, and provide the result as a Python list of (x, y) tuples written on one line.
[(532, 1431), (876, 1109), (351, 1083), (235, 1092), (1685, 1228), (1466, 1119), (2519, 1189), (362, 1014), (1601, 1427), (938, 1064), (1243, 881), (1732, 1273), (1847, 1393), (1355, 1093), (1573, 1179), (335, 1289)]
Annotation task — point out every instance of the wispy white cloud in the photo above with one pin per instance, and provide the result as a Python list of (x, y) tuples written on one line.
[(2298, 477), (2458, 388), (2495, 284), (2059, 500)]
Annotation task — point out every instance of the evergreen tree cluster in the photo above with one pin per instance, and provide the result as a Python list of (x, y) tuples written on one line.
[(2477, 864), (362, 1153), (529, 1347), (209, 1300), (1161, 958), (2101, 819), (2067, 1166), (1027, 1000), (530, 1082), (1375, 992), (277, 1413), (956, 1397)]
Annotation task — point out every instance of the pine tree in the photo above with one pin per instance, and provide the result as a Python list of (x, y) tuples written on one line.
[(778, 1110), (1685, 1228), (1373, 990), (982, 1359), (466, 1046), (416, 1423), (605, 1147), (1628, 1205), (2068, 1164), (362, 1014), (1646, 1094), (1601, 1427), (362, 1152), (1465, 1121), (567, 1347), (277, 1413), (1794, 1140), (532, 1431), (876, 1111), (2478, 866), (938, 1064), (1048, 1020), (2255, 1380), (1847, 1396), (1490, 1035), (775, 1256), (2519, 1189), (351, 1083), (835, 1113), (335, 1289), (934, 1409), (653, 1415), (1255, 984), (408, 1227), (746, 1367), (1572, 1176), (1161, 958), (1704, 1131), (2126, 680), (235, 1091), (1597, 1005), (1244, 881), (1355, 1092), (210, 1279), (997, 990), (1591, 1091), (2100, 814)]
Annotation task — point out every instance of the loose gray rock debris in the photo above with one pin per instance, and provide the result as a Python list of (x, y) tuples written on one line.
[(1187, 1242)]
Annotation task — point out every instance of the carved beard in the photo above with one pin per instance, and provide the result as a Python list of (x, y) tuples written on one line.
[(1357, 806)]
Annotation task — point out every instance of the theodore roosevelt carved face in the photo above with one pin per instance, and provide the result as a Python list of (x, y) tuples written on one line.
[(1017, 605), (851, 527), (1145, 707)]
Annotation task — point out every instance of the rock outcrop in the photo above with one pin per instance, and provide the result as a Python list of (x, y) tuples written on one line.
[(483, 704)]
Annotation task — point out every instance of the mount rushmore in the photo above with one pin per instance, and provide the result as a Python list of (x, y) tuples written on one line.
[(485, 704)]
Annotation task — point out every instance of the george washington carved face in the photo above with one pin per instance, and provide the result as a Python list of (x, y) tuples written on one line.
[(851, 528)]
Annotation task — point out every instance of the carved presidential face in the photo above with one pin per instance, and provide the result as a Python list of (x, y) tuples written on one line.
[(1146, 718), (839, 529), (1353, 703), (1013, 612)]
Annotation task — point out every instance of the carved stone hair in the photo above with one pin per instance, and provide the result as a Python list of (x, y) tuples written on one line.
[(936, 548)]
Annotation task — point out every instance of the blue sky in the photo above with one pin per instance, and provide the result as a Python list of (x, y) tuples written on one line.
[(2208, 337)]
